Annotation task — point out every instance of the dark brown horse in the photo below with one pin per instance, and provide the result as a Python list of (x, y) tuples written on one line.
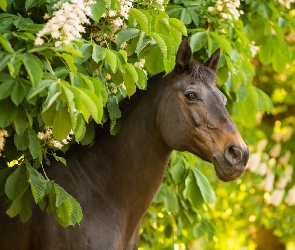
[(117, 178)]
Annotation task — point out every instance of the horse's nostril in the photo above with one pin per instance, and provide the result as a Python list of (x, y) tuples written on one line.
[(233, 154)]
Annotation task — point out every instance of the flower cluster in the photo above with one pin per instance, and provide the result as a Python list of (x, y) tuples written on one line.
[(264, 164), (253, 48), (50, 141), (67, 22), (227, 9), (286, 3), (116, 20), (3, 133)]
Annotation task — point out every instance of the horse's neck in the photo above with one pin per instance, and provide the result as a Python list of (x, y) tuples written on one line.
[(139, 158)]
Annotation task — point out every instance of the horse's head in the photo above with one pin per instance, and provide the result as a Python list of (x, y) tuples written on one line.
[(192, 116)]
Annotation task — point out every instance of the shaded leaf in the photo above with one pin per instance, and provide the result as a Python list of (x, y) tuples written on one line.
[(205, 187), (61, 124), (16, 184), (126, 34), (34, 145)]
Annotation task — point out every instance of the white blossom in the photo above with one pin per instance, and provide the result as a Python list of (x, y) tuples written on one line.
[(254, 161), (277, 197), (227, 9), (267, 183), (39, 41), (290, 199), (285, 158), (261, 145), (140, 64), (286, 3), (67, 22), (254, 49), (3, 134), (275, 151)]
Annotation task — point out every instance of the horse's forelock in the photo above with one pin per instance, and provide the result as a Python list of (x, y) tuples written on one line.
[(202, 73)]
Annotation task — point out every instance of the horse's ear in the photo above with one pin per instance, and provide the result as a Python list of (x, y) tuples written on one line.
[(183, 56), (213, 61)]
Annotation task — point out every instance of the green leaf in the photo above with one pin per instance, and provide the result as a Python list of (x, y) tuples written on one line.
[(8, 112), (161, 43), (61, 159), (3, 5), (6, 44), (34, 145), (70, 62), (179, 25), (178, 171), (97, 10), (89, 135), (266, 51), (198, 41), (161, 25), (126, 34), (63, 213), (113, 108), (53, 93), (132, 71), (33, 28), (111, 59), (142, 42), (48, 115), (192, 191), (32, 3), (6, 88), (22, 140), (20, 122), (4, 174), (14, 66), (33, 66), (154, 60), (16, 184), (141, 18), (76, 215), (205, 187), (142, 78), (15, 208), (40, 87), (224, 44), (61, 124), (18, 93), (129, 83), (4, 58), (185, 17), (39, 186), (93, 104), (60, 194), (80, 128), (26, 207), (98, 53), (171, 202)]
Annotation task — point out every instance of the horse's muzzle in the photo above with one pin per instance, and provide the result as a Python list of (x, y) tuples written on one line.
[(232, 163)]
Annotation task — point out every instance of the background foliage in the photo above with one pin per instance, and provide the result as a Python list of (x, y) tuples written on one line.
[(79, 83)]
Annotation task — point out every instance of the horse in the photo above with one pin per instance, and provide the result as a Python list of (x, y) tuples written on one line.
[(117, 178)]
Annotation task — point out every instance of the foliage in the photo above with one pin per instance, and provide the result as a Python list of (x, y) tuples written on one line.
[(53, 93), (257, 58), (80, 81)]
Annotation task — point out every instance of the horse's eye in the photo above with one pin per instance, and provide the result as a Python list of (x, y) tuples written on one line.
[(191, 96)]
